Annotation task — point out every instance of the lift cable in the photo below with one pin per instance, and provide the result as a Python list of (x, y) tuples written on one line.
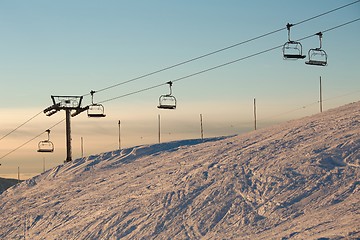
[(270, 117), (191, 75), (30, 140), (325, 13), (310, 104), (340, 96), (290, 111), (21, 125), (223, 65), (197, 58), (222, 49), (187, 61), (338, 26)]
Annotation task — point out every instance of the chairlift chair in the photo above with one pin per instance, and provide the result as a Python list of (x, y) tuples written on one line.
[(95, 110), (167, 101), (292, 49), (46, 146), (317, 56)]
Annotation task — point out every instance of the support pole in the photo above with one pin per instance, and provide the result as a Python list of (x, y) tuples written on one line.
[(67, 103), (254, 113), (119, 136), (82, 147), (201, 128), (321, 107), (159, 132), (68, 136)]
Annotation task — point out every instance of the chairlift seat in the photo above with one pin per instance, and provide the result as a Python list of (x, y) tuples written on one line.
[(45, 150), (167, 106), (45, 146), (96, 111), (167, 102), (317, 57), (96, 115), (292, 50), (316, 63), (294, 56)]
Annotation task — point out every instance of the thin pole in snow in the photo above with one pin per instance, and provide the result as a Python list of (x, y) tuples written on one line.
[(321, 107), (254, 113), (201, 127), (159, 128), (119, 135), (82, 147)]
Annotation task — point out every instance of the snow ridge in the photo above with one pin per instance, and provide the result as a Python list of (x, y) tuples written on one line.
[(298, 180)]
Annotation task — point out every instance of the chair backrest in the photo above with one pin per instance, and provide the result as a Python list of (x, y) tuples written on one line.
[(317, 57), (167, 102), (96, 110), (292, 50), (45, 146)]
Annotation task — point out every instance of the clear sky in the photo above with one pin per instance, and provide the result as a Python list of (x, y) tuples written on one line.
[(72, 47)]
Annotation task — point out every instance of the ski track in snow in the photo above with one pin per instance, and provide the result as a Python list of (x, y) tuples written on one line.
[(298, 180)]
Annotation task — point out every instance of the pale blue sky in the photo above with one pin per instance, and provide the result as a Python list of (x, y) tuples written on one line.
[(72, 47)]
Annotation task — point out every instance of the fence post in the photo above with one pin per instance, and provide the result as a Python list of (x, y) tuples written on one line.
[(201, 128), (159, 132), (254, 113), (321, 107)]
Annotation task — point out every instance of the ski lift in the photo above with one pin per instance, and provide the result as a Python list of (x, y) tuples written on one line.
[(292, 49), (317, 56), (167, 101), (95, 109), (46, 146)]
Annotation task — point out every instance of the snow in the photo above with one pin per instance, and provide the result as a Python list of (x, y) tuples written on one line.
[(5, 183), (298, 180)]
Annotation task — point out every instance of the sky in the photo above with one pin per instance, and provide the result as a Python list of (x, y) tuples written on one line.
[(72, 47)]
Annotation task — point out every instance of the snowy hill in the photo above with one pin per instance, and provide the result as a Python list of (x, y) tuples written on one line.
[(298, 180), (5, 183)]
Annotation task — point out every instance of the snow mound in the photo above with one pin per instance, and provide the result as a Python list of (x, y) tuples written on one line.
[(298, 180), (5, 183)]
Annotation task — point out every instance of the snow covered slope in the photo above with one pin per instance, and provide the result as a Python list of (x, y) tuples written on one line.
[(5, 183), (298, 180)]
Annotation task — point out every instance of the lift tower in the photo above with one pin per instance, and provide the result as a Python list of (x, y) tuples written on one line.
[(72, 107)]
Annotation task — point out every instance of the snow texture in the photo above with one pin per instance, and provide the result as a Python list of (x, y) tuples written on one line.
[(298, 180), (5, 183)]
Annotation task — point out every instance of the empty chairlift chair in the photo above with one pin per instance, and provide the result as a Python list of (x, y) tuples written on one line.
[(292, 50), (95, 110), (317, 56), (167, 101), (46, 146)]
